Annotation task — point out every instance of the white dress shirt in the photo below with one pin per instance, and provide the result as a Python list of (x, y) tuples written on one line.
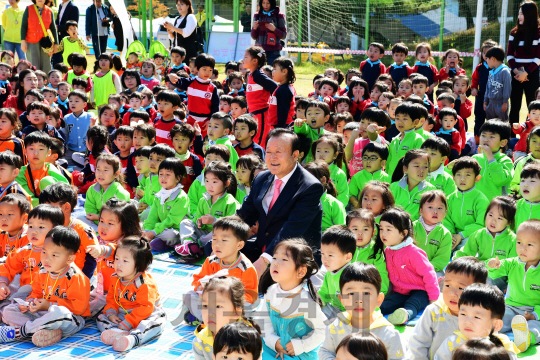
[(191, 25)]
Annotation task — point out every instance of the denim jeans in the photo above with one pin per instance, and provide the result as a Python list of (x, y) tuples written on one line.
[(15, 47), (100, 44), (271, 56), (415, 302)]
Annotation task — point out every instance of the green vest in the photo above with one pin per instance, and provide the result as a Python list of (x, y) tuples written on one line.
[(71, 75), (70, 48), (103, 87)]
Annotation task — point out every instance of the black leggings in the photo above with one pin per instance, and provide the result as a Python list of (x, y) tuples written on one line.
[(516, 97)]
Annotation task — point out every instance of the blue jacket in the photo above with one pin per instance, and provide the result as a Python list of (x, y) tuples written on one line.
[(76, 129), (92, 21), (297, 211)]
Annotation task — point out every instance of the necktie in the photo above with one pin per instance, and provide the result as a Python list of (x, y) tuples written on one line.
[(277, 191)]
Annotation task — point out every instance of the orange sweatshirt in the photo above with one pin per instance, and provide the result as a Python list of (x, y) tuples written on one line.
[(105, 266), (25, 261), (242, 269), (88, 237), (9, 244), (70, 288), (137, 296)]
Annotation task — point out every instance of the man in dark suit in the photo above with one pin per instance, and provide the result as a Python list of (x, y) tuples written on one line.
[(66, 11), (285, 201), (98, 18)]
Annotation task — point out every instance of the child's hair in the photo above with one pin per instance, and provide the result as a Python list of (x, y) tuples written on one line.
[(406, 160), (364, 345), (268, 68), (302, 255), (390, 94), (384, 189), (452, 51), (163, 150), (408, 108), (482, 349), (114, 161), (219, 150), (381, 86), (286, 64), (127, 214), (321, 105), (496, 52), (430, 120), (360, 271), (378, 46), (177, 50), (104, 107), (130, 73), (447, 96), (235, 75), (170, 97), (176, 166), (183, 129), (223, 172), (336, 145), (448, 84), (37, 137), (41, 74), (340, 76), (466, 162), (38, 106), (11, 115), (437, 144), (448, 112), (231, 65), (400, 48), (80, 94), (135, 95), (249, 162), (424, 46), (376, 115), (60, 193), (65, 237), (138, 114), (151, 63), (430, 196), (301, 103), (18, 199), (125, 131), (343, 99), (79, 60), (530, 171), (148, 93), (157, 89), (351, 126), (320, 169), (235, 224), (240, 337), (534, 132), (331, 82), (469, 266), (49, 90), (249, 121), (241, 101), (461, 77), (497, 126), (507, 207), (57, 146), (420, 79), (342, 237), (226, 98), (416, 100), (317, 77), (398, 218), (139, 247), (143, 151), (117, 63), (487, 44), (364, 215), (486, 296), (203, 60), (48, 213), (226, 119), (6, 52)]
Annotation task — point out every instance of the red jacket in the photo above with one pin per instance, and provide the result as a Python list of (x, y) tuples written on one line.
[(460, 126)]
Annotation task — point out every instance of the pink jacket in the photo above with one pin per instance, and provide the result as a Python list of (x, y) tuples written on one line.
[(409, 269)]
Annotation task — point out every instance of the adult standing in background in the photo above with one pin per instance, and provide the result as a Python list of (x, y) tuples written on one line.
[(269, 28), (11, 21), (32, 33), (118, 29), (67, 11), (98, 17), (183, 30), (522, 55), (284, 202), (245, 18)]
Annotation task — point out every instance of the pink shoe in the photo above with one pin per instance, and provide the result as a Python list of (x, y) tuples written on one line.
[(108, 336), (188, 248), (123, 343), (44, 338)]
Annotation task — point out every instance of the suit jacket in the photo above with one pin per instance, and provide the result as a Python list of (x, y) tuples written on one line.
[(92, 20), (297, 211), (71, 13)]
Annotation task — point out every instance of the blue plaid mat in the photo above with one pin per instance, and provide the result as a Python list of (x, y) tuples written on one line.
[(175, 343)]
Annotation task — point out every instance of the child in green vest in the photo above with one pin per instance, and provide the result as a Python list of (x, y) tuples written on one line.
[(106, 82), (409, 181), (374, 158), (338, 245), (362, 223), (533, 145), (330, 150), (110, 183), (497, 170), (333, 209), (529, 206), (74, 43), (407, 117), (467, 205), (317, 114), (219, 128), (497, 239), (439, 151), (429, 233), (170, 207), (523, 298), (79, 63), (218, 201)]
